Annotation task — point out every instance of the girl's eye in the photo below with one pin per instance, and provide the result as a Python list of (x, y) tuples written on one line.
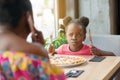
[(70, 34), (79, 35)]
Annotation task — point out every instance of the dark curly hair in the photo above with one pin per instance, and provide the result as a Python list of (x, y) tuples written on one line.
[(84, 21), (11, 11)]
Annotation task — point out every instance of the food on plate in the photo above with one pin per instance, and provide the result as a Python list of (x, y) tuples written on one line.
[(66, 60)]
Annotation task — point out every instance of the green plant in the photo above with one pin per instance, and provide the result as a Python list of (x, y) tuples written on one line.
[(58, 41)]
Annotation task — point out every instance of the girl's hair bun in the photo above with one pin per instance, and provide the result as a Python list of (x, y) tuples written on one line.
[(66, 20), (84, 21)]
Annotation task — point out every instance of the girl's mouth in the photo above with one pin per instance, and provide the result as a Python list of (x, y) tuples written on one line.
[(74, 42)]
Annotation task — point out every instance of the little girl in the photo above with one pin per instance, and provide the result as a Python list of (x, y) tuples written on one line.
[(75, 35)]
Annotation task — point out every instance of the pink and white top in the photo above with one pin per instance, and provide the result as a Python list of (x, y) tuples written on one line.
[(64, 49)]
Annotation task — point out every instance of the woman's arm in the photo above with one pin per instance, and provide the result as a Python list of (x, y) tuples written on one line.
[(19, 44)]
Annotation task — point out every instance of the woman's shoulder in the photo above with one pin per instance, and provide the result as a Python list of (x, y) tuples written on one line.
[(8, 41), (16, 43)]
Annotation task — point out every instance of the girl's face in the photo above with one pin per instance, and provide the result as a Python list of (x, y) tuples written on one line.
[(75, 35)]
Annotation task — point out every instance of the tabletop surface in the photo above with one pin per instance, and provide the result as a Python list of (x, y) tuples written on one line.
[(96, 70)]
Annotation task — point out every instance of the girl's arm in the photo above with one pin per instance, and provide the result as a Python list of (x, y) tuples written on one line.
[(99, 52)]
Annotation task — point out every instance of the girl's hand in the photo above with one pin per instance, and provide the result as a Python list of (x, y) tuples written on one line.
[(94, 50), (51, 49)]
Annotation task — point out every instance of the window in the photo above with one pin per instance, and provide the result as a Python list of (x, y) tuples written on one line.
[(44, 17)]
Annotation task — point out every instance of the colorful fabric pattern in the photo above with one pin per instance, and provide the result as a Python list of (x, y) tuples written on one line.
[(23, 66)]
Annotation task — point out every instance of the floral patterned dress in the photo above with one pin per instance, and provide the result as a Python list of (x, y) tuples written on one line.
[(23, 66)]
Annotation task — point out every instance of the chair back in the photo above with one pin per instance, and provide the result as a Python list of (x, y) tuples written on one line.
[(106, 42)]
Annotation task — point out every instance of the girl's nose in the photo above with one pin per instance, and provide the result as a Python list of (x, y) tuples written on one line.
[(74, 37)]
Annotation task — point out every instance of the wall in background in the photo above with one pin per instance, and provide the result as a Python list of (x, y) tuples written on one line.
[(98, 13)]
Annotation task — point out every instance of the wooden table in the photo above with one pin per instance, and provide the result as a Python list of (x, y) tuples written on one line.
[(97, 70)]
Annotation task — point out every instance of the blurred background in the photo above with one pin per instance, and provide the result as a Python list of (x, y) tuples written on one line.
[(104, 15)]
